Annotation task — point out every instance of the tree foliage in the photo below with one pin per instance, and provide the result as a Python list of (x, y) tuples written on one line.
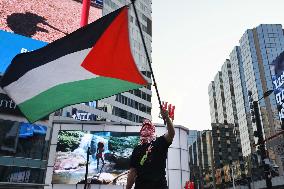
[(69, 140)]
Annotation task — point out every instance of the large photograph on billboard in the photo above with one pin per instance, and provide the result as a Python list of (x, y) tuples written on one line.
[(26, 25), (109, 157), (44, 20)]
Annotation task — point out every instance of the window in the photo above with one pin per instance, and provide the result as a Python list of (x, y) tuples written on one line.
[(21, 174), (148, 98), (23, 140), (8, 137)]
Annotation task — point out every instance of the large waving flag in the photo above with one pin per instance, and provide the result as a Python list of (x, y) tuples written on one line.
[(91, 63)]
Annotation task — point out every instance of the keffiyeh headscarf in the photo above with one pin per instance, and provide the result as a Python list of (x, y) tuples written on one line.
[(147, 132)]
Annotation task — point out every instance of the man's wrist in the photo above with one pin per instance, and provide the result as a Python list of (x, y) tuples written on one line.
[(168, 119)]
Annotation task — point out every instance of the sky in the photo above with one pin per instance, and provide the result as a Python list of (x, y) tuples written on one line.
[(191, 40)]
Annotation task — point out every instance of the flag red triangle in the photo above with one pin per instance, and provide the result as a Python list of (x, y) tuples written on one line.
[(111, 56)]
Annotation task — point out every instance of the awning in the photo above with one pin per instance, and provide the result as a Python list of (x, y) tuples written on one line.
[(29, 130)]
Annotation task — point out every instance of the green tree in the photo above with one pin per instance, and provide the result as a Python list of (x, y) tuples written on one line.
[(69, 140)]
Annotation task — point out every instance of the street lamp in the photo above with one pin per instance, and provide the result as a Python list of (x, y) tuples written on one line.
[(266, 94), (259, 134)]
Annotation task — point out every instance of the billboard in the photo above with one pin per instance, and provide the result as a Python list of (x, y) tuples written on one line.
[(109, 157), (45, 20), (13, 44), (38, 21), (278, 83)]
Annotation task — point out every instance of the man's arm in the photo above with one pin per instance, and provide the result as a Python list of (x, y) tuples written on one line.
[(131, 178), (171, 131)]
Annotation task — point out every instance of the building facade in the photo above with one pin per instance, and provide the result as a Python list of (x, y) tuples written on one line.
[(194, 170), (259, 47), (192, 136), (222, 103), (206, 162), (226, 154), (220, 98), (250, 69), (23, 148), (225, 147), (201, 160), (230, 103), (241, 101), (213, 102)]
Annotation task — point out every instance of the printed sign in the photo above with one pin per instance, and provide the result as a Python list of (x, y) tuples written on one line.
[(13, 44), (109, 157), (8, 106), (98, 3)]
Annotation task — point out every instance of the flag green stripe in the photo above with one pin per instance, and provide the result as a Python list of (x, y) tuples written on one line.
[(73, 93)]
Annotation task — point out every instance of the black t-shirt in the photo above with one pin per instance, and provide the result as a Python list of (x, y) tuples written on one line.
[(149, 160)]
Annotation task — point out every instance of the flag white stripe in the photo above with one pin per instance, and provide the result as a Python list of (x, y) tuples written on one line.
[(62, 70)]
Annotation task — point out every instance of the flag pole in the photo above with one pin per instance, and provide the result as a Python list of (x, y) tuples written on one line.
[(147, 55), (84, 22), (87, 166), (85, 12)]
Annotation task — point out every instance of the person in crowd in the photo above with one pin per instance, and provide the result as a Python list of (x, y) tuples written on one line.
[(99, 154)]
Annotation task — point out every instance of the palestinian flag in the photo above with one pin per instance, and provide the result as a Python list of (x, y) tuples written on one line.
[(91, 63)]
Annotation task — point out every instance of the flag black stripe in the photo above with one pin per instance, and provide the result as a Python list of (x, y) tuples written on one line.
[(82, 38)]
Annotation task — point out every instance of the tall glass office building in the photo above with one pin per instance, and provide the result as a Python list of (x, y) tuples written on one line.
[(259, 47), (226, 146), (251, 70)]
